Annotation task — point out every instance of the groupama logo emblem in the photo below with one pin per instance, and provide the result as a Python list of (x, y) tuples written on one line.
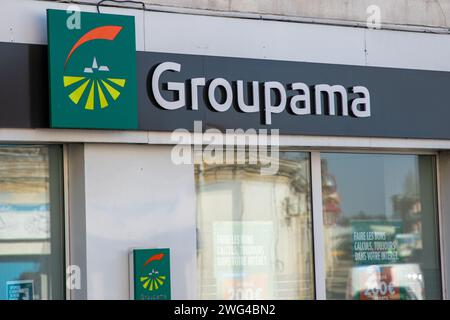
[(151, 274), (152, 279), (92, 71), (96, 80)]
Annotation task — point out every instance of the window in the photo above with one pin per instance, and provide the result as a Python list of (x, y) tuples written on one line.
[(255, 231), (380, 226), (31, 223)]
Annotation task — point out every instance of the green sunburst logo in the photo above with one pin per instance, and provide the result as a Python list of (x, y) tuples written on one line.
[(97, 88), (92, 71), (153, 280), (151, 274)]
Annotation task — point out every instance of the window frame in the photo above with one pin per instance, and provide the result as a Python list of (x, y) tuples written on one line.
[(317, 212), (55, 152)]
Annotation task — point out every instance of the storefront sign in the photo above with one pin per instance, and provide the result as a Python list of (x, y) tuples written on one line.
[(92, 71), (19, 290), (150, 274), (98, 80), (392, 106), (305, 100)]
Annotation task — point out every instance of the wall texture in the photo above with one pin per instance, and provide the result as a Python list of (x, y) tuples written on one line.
[(430, 13), (24, 21)]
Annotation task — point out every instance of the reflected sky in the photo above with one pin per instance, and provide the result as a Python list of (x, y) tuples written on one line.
[(371, 182)]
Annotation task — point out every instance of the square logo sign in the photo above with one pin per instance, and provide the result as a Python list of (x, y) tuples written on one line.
[(92, 71), (151, 274)]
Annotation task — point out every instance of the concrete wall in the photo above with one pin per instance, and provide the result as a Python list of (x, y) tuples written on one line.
[(432, 13)]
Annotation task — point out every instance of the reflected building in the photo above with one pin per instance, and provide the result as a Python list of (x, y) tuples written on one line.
[(269, 215), (28, 252), (374, 247)]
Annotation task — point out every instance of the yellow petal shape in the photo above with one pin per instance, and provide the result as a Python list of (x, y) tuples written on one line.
[(90, 99), (101, 95), (113, 92), (68, 80), (75, 96), (119, 82), (146, 284), (151, 285)]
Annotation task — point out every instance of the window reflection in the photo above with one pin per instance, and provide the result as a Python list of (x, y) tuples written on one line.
[(380, 226), (254, 231), (30, 233)]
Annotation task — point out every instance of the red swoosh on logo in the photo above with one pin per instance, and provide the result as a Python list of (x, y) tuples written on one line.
[(157, 256), (103, 32)]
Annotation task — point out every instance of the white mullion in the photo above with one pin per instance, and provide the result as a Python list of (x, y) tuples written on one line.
[(318, 230)]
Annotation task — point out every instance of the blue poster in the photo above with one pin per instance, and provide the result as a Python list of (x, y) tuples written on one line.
[(19, 290)]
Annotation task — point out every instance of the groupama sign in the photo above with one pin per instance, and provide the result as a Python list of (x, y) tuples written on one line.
[(150, 275), (92, 71), (326, 99), (93, 83)]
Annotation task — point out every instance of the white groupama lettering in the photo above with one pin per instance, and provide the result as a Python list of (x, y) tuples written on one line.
[(319, 99)]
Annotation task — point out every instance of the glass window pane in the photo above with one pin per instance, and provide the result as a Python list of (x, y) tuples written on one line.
[(31, 247), (380, 224), (254, 231)]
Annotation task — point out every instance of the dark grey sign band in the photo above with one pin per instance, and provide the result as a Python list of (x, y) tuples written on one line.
[(404, 103)]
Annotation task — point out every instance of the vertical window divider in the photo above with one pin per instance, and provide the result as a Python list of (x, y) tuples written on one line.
[(67, 259), (441, 206), (318, 229)]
